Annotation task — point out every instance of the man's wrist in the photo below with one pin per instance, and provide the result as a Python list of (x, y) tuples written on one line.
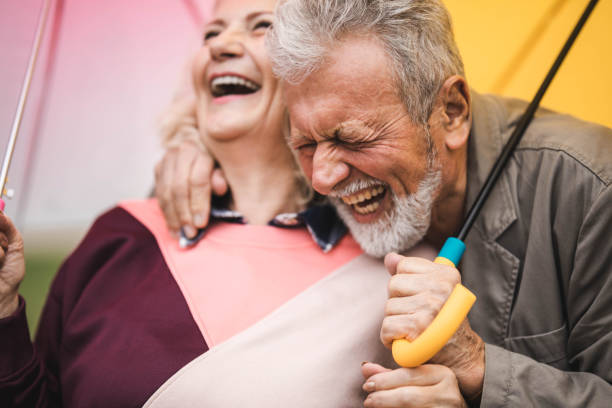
[(471, 379)]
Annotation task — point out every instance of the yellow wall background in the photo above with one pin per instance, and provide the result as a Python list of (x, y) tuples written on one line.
[(508, 47)]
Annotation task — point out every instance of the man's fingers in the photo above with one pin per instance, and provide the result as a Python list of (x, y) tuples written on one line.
[(427, 374), (398, 264), (412, 265), (427, 385), (404, 327), (421, 250), (414, 396), (391, 261), (369, 369), (409, 285), (413, 304)]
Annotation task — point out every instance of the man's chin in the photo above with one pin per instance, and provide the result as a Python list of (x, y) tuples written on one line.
[(377, 236)]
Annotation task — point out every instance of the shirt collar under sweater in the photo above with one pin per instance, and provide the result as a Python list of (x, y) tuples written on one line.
[(321, 220)]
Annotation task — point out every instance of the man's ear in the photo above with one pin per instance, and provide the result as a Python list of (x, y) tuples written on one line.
[(456, 112)]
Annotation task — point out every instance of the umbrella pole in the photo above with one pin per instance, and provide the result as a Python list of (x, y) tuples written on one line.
[(460, 301), (25, 90), (524, 122)]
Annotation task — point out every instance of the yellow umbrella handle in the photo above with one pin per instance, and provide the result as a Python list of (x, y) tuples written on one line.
[(436, 335)]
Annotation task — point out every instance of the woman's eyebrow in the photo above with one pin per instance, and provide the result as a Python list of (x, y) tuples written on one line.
[(256, 14), (217, 21)]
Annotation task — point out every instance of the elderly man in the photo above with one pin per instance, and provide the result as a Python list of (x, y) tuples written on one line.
[(383, 122)]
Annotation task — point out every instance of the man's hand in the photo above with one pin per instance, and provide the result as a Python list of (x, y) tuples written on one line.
[(12, 266), (417, 291), (184, 179), (426, 386)]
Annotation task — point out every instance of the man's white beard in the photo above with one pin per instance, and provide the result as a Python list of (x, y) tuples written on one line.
[(400, 228)]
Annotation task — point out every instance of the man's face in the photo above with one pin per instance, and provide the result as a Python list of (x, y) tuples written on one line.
[(357, 144)]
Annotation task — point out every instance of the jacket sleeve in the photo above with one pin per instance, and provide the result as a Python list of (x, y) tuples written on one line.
[(25, 380), (512, 379)]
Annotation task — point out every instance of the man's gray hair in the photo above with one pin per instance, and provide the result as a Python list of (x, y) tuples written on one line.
[(416, 34)]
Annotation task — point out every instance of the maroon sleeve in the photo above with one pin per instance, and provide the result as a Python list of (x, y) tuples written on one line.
[(23, 380), (114, 328)]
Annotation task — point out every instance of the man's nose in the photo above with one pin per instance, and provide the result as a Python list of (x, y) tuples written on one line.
[(327, 170), (228, 44)]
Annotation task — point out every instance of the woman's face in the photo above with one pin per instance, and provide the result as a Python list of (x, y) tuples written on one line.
[(235, 88)]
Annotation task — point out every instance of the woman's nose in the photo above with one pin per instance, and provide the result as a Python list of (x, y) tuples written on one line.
[(228, 44)]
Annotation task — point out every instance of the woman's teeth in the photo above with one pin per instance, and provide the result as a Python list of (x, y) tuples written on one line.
[(358, 200), (230, 84)]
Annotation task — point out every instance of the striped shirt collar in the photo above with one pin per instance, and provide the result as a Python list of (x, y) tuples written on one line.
[(323, 223)]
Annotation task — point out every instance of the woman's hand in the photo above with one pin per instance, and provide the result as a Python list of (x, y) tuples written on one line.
[(12, 266), (429, 385), (184, 179)]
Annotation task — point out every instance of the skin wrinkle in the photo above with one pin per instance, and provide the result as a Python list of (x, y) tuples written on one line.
[(387, 121)]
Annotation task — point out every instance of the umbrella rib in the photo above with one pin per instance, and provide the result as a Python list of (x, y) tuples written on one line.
[(528, 46), (24, 95), (195, 12)]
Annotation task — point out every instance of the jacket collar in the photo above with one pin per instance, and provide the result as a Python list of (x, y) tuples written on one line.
[(491, 128)]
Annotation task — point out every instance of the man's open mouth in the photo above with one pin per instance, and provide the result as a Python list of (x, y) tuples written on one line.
[(366, 201), (232, 85)]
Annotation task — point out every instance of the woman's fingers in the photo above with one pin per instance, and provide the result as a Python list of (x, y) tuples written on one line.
[(12, 265)]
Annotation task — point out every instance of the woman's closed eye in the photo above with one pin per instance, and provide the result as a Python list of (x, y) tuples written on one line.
[(262, 25), (211, 34)]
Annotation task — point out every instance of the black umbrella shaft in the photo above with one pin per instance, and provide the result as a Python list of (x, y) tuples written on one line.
[(524, 122)]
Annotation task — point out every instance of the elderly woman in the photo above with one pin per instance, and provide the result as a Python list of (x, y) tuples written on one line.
[(272, 306)]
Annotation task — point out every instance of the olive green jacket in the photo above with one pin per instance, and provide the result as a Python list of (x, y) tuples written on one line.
[(539, 259)]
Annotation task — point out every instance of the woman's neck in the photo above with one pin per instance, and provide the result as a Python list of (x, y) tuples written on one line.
[(262, 178)]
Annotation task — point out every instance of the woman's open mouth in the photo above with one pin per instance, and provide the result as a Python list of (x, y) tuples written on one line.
[(227, 85)]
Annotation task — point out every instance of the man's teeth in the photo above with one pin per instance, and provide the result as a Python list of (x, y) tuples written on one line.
[(363, 195), (218, 82), (368, 208)]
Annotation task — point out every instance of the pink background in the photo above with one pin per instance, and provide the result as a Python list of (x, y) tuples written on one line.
[(89, 134)]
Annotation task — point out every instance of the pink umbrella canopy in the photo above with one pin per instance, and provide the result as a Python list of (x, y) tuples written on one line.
[(89, 136)]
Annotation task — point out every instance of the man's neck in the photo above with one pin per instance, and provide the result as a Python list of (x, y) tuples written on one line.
[(448, 212)]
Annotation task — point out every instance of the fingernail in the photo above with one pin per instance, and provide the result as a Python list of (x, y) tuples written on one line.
[(369, 386), (189, 231), (364, 363), (198, 220)]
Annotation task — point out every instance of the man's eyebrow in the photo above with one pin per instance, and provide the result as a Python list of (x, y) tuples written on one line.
[(296, 137), (349, 129)]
